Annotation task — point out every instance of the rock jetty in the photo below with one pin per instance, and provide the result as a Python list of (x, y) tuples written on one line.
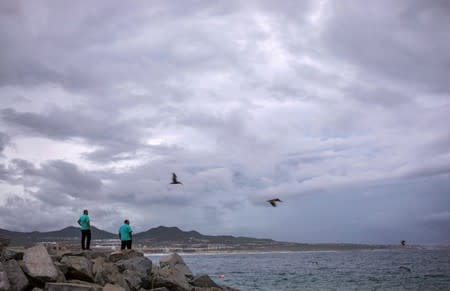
[(38, 268)]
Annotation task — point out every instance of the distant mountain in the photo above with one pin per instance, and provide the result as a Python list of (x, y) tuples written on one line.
[(158, 234), (174, 234), (163, 233), (175, 238), (70, 233)]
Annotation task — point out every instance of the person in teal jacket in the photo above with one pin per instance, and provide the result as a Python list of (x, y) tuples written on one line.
[(125, 235), (85, 227)]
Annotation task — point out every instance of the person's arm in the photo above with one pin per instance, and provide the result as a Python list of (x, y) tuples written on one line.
[(89, 222), (120, 235), (131, 232), (79, 221)]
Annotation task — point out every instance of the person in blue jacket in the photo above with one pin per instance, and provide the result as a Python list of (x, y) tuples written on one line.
[(125, 235), (85, 227)]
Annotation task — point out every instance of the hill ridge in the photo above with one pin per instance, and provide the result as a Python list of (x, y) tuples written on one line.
[(156, 234)]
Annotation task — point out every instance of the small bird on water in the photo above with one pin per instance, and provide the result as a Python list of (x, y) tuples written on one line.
[(174, 179), (274, 201)]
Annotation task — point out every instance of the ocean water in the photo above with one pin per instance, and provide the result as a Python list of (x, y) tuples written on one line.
[(402, 269)]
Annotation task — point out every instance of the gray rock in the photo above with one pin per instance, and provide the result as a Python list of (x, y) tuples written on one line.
[(38, 265), (4, 242), (72, 287), (92, 255), (110, 287), (4, 282), (17, 278), (159, 289), (124, 255), (141, 265), (13, 253), (61, 267), (136, 272), (106, 272), (175, 262), (173, 268), (78, 267), (37, 289), (133, 280), (203, 281), (160, 282)]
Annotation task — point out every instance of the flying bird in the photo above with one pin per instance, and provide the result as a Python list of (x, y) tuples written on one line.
[(274, 201), (174, 179)]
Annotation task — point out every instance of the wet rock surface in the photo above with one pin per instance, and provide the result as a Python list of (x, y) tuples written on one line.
[(39, 269)]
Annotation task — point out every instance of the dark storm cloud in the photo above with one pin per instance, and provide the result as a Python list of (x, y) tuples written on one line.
[(317, 102), (89, 53), (404, 41), (70, 177), (57, 182), (112, 136), (4, 138), (4, 174), (66, 124)]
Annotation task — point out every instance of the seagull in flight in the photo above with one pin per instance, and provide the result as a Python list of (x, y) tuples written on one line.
[(274, 201), (174, 179)]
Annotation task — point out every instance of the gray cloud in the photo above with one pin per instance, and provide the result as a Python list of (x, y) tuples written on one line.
[(98, 129), (3, 141), (405, 43), (335, 108)]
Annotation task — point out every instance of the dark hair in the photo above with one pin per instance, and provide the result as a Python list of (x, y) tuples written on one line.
[(85, 211), (126, 221)]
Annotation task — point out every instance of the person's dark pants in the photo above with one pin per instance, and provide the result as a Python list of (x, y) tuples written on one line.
[(85, 237), (125, 243)]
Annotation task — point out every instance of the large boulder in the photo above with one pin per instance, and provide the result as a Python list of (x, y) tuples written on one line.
[(175, 264), (72, 287), (4, 242), (4, 282), (162, 282), (38, 265), (17, 278), (106, 272), (92, 255), (173, 268), (124, 255), (203, 281), (141, 265), (136, 272), (110, 287), (78, 267), (13, 253)]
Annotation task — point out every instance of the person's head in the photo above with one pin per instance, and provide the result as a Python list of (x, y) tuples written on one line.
[(126, 221), (85, 211)]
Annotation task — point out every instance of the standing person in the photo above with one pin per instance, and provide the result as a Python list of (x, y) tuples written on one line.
[(85, 227), (125, 235)]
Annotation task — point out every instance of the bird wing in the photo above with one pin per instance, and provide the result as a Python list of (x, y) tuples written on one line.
[(272, 203), (174, 178)]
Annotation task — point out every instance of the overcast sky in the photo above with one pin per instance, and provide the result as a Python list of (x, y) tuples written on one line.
[(339, 108)]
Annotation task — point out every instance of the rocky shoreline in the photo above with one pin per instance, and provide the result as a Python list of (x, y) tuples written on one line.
[(38, 268)]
